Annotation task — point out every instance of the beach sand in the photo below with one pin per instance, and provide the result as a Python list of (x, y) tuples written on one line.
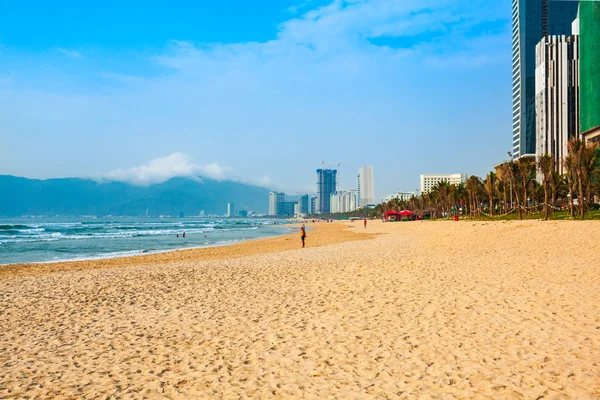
[(421, 310)]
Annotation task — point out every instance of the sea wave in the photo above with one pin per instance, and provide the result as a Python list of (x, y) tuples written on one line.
[(27, 240), (43, 236), (11, 227)]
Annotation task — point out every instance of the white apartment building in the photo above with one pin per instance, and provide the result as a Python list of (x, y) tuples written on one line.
[(429, 181), (557, 96), (276, 200), (404, 196), (230, 210), (366, 191), (342, 202)]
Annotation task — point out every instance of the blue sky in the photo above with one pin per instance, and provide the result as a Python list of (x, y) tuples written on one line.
[(260, 92)]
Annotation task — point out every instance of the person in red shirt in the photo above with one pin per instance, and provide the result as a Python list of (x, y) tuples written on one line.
[(365, 224)]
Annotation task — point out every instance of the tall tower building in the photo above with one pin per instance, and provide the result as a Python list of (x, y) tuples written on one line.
[(532, 20), (557, 96), (326, 185), (276, 200), (304, 204), (589, 25), (366, 192), (230, 210)]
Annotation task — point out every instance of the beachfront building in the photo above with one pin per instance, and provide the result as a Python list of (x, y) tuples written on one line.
[(429, 181), (288, 208), (366, 191), (313, 205), (403, 196), (557, 96), (304, 205), (230, 210), (531, 21), (589, 27), (276, 200), (326, 185), (344, 201)]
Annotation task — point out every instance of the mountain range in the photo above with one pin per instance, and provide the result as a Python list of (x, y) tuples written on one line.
[(75, 197)]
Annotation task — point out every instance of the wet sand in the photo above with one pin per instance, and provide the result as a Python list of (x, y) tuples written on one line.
[(437, 310)]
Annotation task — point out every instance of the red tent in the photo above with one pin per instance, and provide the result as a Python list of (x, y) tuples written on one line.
[(406, 213), (392, 215)]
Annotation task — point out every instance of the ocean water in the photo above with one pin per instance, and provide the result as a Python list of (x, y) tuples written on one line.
[(27, 240)]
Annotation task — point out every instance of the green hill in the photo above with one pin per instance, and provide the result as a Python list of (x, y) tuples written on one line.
[(73, 196)]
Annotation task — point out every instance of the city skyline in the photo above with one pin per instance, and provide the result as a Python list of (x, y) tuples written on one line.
[(203, 88), (532, 20)]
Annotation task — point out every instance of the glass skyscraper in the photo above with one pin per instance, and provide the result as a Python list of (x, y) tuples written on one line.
[(532, 20), (326, 186)]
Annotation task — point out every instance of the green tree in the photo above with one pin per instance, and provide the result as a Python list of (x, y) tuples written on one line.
[(525, 174), (490, 189), (546, 167)]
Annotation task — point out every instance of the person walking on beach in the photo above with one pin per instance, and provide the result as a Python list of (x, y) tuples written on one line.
[(303, 234), (365, 223)]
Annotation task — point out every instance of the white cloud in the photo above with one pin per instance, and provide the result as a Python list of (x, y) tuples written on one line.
[(70, 53), (339, 37), (328, 73), (162, 169)]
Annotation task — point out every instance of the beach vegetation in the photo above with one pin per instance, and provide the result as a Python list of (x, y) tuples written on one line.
[(518, 189)]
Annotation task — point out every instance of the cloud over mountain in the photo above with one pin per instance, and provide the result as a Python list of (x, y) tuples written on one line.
[(162, 169)]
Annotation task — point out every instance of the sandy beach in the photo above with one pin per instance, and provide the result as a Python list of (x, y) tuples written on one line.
[(422, 310)]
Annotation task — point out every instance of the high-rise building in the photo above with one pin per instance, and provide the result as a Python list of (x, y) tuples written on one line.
[(557, 96), (276, 200), (429, 181), (326, 185), (288, 208), (532, 20), (230, 210), (313, 205), (366, 192), (344, 201), (304, 205), (589, 27)]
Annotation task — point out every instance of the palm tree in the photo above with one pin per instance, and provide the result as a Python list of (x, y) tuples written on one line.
[(473, 185), (524, 172), (554, 185), (569, 162), (461, 196), (589, 164), (513, 174), (504, 177), (545, 165), (490, 188), (577, 149)]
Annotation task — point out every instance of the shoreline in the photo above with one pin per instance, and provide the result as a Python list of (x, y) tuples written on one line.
[(334, 233), (152, 252)]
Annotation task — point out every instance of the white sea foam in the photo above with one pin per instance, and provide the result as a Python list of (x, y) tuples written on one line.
[(45, 240)]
